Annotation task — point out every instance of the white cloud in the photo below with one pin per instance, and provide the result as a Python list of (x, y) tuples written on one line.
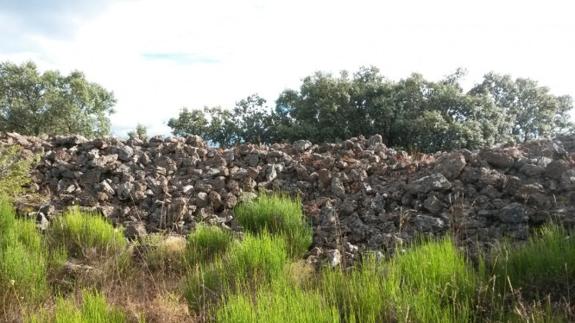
[(236, 48)]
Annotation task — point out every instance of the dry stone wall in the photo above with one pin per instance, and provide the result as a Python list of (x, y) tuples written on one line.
[(358, 194)]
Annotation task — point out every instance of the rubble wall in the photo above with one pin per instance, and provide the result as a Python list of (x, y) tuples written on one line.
[(358, 194)]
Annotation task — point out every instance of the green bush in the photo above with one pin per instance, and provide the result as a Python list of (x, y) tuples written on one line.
[(278, 304), (94, 309), (23, 263), (251, 263), (14, 171), (207, 242), (85, 235), (278, 215)]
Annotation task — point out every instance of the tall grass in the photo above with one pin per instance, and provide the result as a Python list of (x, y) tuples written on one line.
[(433, 283), (362, 295), (251, 263), (85, 235), (93, 309), (545, 264), (23, 263), (207, 242), (278, 303), (277, 214)]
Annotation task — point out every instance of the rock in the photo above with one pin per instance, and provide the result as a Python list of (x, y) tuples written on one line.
[(426, 223), (450, 165), (333, 258), (135, 230), (498, 159), (429, 183), (433, 204), (513, 213), (125, 153), (301, 145), (374, 140), (337, 187), (556, 168)]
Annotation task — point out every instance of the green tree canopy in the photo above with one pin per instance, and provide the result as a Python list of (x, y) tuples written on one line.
[(412, 113), (35, 103)]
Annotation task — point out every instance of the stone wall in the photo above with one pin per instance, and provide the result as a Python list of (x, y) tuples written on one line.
[(359, 194)]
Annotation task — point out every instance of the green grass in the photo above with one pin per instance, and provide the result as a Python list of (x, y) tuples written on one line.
[(23, 262), (248, 264), (85, 235), (361, 295), (433, 283), (277, 214), (207, 242), (93, 309), (163, 253), (278, 303), (545, 264)]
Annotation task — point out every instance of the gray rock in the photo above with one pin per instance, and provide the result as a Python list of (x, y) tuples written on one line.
[(513, 213), (429, 183), (450, 165)]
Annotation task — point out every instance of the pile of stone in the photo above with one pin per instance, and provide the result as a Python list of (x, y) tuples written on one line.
[(358, 194)]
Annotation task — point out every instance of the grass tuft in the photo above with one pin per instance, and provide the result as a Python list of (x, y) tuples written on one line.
[(277, 214), (85, 235), (278, 303), (207, 242), (94, 309), (251, 263), (23, 263)]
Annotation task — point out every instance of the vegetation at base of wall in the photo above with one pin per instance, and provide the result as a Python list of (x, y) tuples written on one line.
[(23, 261), (253, 278), (85, 234), (278, 215), (207, 242)]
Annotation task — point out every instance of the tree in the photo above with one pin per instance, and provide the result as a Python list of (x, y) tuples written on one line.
[(530, 110), (189, 123), (141, 132), (35, 103)]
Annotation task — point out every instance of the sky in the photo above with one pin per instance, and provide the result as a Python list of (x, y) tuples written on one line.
[(160, 56)]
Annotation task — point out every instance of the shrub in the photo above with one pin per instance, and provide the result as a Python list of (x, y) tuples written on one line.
[(207, 242), (85, 235), (94, 309), (14, 171), (433, 283), (23, 262), (278, 215), (279, 303)]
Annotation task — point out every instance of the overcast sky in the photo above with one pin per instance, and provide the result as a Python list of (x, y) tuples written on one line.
[(159, 56)]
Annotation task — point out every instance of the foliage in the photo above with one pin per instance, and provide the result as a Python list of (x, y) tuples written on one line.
[(278, 215), (23, 263), (94, 309), (207, 242), (37, 103), (84, 234), (412, 113), (141, 133), (14, 171)]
